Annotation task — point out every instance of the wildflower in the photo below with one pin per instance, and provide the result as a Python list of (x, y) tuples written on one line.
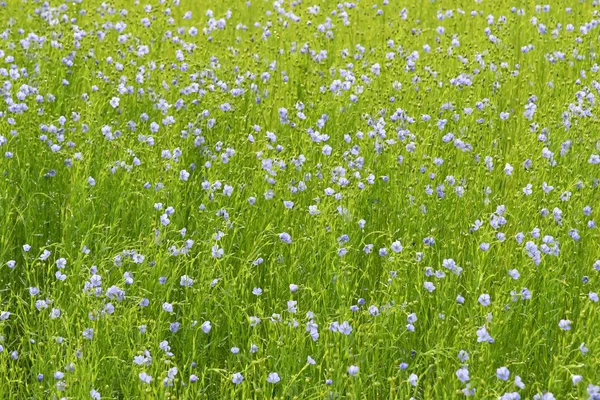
[(483, 335), (564, 324), (519, 382), (503, 373), (345, 328), (413, 379), (186, 281), (144, 377), (285, 237), (353, 370), (114, 102), (463, 375), (484, 299), (273, 378)]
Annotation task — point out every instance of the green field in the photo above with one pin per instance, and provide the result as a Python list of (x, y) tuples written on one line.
[(299, 200)]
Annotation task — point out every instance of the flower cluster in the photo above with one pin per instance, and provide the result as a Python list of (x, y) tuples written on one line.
[(299, 200)]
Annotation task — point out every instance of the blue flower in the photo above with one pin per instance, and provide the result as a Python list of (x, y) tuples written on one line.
[(285, 237)]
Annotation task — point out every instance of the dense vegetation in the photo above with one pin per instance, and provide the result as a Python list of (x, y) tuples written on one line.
[(274, 199)]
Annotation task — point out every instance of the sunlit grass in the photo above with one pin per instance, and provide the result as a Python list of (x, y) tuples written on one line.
[(250, 182)]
